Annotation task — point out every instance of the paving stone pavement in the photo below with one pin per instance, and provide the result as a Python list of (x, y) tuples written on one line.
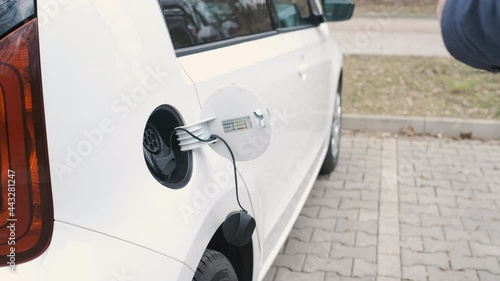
[(399, 208)]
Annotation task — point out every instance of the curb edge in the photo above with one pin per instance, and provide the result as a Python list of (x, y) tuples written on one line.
[(447, 127)]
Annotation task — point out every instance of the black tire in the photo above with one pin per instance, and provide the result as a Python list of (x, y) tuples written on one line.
[(330, 162), (331, 158), (214, 266)]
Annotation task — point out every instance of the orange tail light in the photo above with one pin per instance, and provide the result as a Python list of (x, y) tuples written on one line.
[(26, 215)]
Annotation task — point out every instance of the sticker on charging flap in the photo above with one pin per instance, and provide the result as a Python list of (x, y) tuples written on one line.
[(237, 124)]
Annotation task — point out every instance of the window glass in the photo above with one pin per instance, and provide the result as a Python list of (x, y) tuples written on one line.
[(292, 13), (194, 22), (14, 12)]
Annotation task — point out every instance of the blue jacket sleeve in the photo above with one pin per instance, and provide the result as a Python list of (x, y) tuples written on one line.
[(471, 32)]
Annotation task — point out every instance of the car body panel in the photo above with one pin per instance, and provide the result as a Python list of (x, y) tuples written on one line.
[(300, 107), (78, 254), (102, 80), (110, 190)]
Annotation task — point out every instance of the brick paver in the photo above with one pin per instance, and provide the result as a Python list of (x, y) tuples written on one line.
[(398, 208)]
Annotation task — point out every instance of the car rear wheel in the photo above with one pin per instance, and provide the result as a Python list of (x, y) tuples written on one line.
[(214, 266), (332, 156)]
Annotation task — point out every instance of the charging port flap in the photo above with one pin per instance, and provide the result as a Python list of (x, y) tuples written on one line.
[(237, 115)]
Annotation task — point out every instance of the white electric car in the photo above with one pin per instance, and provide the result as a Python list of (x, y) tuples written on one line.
[(98, 180)]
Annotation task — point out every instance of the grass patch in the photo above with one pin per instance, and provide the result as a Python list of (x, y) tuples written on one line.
[(419, 86)]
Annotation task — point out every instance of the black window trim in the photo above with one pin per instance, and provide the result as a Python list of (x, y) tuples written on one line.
[(295, 28), (186, 51)]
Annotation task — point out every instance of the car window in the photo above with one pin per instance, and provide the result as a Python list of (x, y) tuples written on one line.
[(293, 13), (14, 12), (195, 22)]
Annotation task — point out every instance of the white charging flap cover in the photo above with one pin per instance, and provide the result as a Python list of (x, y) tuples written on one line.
[(241, 119)]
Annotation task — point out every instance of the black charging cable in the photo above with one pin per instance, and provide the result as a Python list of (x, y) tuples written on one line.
[(211, 139)]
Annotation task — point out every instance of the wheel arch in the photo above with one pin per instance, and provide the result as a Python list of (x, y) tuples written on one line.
[(241, 258)]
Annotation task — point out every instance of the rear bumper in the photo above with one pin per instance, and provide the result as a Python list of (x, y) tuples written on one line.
[(78, 254)]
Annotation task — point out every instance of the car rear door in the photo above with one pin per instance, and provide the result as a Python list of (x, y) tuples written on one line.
[(250, 49)]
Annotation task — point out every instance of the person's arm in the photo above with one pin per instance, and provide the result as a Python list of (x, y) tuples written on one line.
[(471, 32)]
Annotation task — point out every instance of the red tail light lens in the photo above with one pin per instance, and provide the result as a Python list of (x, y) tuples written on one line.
[(26, 217)]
